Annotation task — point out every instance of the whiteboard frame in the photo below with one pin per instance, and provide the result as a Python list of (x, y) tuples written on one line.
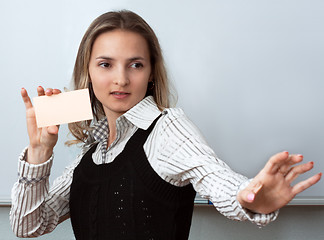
[(297, 201)]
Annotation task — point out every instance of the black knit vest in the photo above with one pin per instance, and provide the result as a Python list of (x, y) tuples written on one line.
[(126, 199)]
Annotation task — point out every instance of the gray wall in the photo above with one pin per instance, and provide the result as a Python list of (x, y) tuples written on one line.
[(293, 223)]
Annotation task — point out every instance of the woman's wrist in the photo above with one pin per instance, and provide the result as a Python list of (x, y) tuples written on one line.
[(38, 155)]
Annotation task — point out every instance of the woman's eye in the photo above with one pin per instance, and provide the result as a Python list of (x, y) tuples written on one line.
[(136, 65), (104, 65)]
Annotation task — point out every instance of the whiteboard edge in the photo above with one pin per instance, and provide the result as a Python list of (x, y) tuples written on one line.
[(298, 201)]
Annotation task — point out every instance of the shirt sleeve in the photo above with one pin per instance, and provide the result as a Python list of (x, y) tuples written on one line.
[(185, 157), (37, 209)]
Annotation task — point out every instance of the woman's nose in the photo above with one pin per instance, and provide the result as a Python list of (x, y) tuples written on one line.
[(121, 78)]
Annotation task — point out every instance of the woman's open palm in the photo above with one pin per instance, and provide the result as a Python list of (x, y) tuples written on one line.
[(271, 189)]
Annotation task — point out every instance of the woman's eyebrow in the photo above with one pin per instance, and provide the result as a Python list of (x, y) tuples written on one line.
[(136, 58), (104, 57), (129, 59)]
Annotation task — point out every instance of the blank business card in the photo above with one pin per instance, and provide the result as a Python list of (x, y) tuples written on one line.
[(63, 108)]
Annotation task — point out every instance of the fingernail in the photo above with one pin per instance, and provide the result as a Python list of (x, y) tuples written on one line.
[(300, 155), (250, 197)]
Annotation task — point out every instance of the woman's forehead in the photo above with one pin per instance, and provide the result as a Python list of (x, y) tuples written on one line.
[(120, 43)]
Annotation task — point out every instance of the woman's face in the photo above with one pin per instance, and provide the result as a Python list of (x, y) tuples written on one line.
[(120, 70)]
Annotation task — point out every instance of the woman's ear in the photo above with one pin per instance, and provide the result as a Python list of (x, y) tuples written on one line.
[(151, 78)]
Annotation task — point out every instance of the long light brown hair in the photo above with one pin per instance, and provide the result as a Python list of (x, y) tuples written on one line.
[(128, 21)]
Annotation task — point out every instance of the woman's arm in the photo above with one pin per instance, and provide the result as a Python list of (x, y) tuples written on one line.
[(33, 212), (36, 209), (186, 157)]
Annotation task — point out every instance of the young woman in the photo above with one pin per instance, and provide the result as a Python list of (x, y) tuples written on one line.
[(141, 162)]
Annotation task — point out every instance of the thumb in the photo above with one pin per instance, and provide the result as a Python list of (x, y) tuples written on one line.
[(252, 192), (53, 130)]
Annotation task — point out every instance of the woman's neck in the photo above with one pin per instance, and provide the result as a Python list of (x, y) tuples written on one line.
[(111, 118)]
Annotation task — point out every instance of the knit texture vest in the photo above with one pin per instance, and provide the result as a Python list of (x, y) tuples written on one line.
[(127, 200)]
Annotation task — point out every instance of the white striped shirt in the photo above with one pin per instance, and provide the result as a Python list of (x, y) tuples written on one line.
[(175, 149)]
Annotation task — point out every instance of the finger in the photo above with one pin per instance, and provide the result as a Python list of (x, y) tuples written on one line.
[(40, 91), (301, 186), (249, 193), (297, 170), (26, 98), (53, 130), (255, 190), (276, 161), (56, 91), (292, 159), (30, 114), (49, 92)]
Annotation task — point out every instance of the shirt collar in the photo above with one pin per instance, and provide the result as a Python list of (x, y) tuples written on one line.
[(144, 113), (141, 115), (100, 130)]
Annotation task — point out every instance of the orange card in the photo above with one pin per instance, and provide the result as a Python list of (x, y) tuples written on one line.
[(63, 108)]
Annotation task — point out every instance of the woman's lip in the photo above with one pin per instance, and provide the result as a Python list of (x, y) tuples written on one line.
[(119, 95), (119, 92)]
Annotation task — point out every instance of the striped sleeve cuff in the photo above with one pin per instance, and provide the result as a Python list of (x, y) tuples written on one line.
[(28, 172), (257, 218)]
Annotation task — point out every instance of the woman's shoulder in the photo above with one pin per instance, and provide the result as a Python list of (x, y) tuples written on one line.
[(172, 117), (171, 114), (175, 120), (176, 124)]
